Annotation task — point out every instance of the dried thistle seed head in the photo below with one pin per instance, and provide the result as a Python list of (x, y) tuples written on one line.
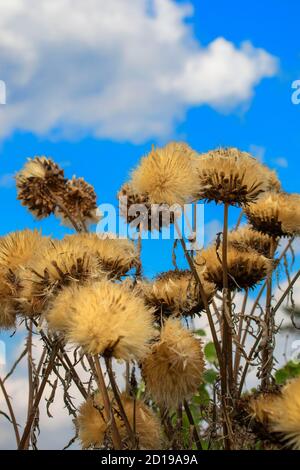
[(276, 214), (176, 293), (285, 418), (103, 318), (38, 184), (93, 429), (231, 176), (137, 206), (261, 407), (57, 265), (167, 175), (148, 428), (90, 422), (16, 250), (245, 269), (80, 200), (273, 182), (116, 256), (174, 367), (247, 239)]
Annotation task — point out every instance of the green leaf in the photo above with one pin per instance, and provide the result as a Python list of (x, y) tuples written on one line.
[(200, 332), (203, 397), (210, 353), (291, 370), (210, 376)]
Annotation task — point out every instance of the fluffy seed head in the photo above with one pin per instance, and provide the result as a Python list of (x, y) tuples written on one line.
[(57, 265), (80, 200), (276, 214), (93, 429), (173, 369), (176, 293), (285, 418), (231, 176), (261, 407), (245, 269), (37, 183), (167, 175), (281, 412), (115, 256), (247, 239), (16, 250), (103, 318)]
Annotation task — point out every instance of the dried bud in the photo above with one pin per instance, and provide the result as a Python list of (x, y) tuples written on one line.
[(38, 184), (79, 200)]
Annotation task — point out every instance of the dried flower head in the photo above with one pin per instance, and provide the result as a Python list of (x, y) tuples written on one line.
[(285, 418), (57, 265), (39, 183), (116, 256), (93, 429), (280, 412), (261, 407), (231, 176), (103, 318), (247, 239), (80, 201), (16, 250), (167, 175), (245, 269), (276, 214), (138, 211), (173, 369), (176, 293)]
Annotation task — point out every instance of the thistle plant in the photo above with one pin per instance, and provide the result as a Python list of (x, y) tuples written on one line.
[(86, 299)]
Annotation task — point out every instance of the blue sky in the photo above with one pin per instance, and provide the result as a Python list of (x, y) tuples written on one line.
[(262, 120), (94, 83)]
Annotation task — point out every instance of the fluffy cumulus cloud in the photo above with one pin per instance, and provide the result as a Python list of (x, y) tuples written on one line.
[(119, 69)]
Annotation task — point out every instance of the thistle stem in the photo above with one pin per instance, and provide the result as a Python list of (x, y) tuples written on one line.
[(194, 427), (107, 407), (238, 355), (227, 327), (267, 355), (119, 401), (11, 411), (227, 386), (37, 399)]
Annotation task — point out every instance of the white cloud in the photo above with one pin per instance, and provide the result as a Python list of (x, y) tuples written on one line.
[(120, 69), (281, 162)]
